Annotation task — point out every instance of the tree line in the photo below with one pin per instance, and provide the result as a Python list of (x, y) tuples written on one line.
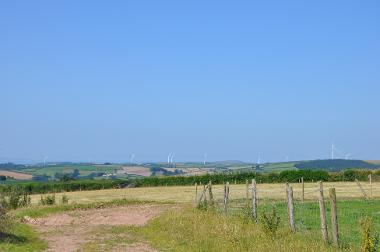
[(291, 176)]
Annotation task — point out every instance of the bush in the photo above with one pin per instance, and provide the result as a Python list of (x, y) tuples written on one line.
[(369, 239), (15, 198), (65, 199), (48, 200), (5, 222), (270, 222)]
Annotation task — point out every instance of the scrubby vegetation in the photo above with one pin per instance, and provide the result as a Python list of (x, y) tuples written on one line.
[(241, 177), (66, 186), (14, 198)]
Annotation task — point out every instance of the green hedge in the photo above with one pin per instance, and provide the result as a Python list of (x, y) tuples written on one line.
[(282, 177), (74, 185), (217, 178)]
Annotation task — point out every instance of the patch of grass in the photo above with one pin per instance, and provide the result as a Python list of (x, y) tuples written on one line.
[(110, 237), (193, 230), (22, 238), (42, 211), (307, 217)]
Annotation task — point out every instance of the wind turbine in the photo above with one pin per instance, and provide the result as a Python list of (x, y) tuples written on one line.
[(204, 159), (132, 158), (169, 156), (259, 158)]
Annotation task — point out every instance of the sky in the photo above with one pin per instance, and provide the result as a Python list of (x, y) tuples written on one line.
[(101, 80)]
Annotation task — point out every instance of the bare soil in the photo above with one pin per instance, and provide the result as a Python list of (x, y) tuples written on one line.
[(69, 231), (136, 170)]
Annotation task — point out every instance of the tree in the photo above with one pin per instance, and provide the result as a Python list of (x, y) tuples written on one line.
[(76, 173)]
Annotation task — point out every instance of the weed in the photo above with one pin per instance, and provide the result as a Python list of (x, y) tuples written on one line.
[(65, 199), (48, 200), (369, 239), (270, 222)]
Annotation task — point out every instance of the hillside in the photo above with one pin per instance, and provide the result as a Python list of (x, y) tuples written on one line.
[(335, 165)]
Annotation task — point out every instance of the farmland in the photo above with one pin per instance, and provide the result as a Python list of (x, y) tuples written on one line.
[(55, 171), (96, 219), (177, 219), (186, 194), (16, 175)]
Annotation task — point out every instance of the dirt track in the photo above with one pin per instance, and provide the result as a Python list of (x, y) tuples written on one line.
[(69, 231)]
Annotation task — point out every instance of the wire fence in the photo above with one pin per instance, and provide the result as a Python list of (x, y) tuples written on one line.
[(307, 213)]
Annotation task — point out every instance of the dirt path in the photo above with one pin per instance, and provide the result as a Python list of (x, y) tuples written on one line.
[(69, 231)]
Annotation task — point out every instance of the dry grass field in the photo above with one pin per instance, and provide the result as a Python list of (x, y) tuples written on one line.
[(183, 194), (136, 170), (16, 175)]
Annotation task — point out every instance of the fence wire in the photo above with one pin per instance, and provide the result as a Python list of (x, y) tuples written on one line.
[(307, 213)]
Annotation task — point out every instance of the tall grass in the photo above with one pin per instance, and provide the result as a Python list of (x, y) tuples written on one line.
[(195, 230)]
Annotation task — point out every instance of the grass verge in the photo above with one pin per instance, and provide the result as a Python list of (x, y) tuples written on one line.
[(43, 211), (22, 238), (189, 229)]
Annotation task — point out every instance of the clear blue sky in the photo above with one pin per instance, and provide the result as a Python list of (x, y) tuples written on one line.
[(102, 80)]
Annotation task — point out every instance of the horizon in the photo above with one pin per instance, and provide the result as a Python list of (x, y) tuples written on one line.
[(269, 81)]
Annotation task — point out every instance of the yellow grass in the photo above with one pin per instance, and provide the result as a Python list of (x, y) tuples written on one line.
[(345, 190), (16, 175)]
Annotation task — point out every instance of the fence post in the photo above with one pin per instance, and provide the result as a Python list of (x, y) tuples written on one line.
[(370, 184), (303, 190), (203, 195), (254, 200), (246, 193), (322, 211), (226, 195), (196, 193), (210, 193), (334, 216), (290, 200)]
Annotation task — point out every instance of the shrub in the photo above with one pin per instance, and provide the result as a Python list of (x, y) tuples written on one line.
[(47, 200), (65, 199), (15, 198), (5, 222), (270, 222)]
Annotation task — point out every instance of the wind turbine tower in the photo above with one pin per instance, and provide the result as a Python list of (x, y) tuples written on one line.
[(132, 158)]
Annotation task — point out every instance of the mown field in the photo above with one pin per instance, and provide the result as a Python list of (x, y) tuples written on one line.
[(186, 194)]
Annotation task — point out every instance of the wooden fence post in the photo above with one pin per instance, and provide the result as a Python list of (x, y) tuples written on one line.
[(210, 193), (254, 200), (334, 216), (226, 196), (303, 190), (322, 211), (196, 193), (202, 195), (290, 200), (246, 193), (370, 184)]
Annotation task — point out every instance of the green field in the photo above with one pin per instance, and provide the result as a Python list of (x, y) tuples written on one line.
[(50, 170)]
